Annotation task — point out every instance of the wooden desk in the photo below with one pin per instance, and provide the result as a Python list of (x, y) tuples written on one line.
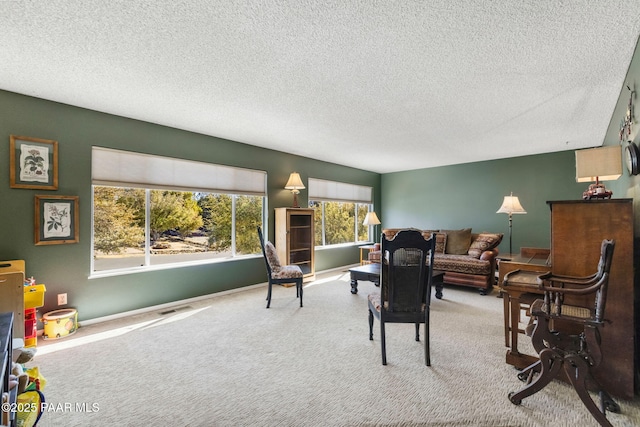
[(518, 293)]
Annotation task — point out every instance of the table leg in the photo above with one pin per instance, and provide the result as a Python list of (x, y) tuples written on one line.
[(515, 318), (507, 322), (438, 283), (354, 285)]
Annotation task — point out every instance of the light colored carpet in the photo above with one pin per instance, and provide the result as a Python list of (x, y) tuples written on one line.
[(228, 361)]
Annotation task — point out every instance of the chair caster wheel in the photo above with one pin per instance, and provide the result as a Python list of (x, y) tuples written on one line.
[(523, 376), (516, 401)]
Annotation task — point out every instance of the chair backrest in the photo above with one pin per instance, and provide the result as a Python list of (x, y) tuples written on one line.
[(604, 268), (407, 269), (590, 290), (264, 252)]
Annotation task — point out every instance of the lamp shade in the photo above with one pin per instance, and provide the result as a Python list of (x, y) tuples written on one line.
[(599, 164), (295, 182), (371, 219), (511, 205)]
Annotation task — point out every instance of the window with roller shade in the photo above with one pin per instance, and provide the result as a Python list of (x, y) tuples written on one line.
[(157, 211), (340, 209)]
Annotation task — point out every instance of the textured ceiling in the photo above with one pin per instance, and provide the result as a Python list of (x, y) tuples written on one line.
[(380, 85)]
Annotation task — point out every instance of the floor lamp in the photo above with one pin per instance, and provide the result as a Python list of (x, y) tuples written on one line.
[(511, 205)]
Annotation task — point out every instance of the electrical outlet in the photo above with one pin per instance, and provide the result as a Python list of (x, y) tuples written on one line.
[(62, 299)]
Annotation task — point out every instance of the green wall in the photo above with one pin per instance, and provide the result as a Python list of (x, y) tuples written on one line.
[(66, 268), (468, 195)]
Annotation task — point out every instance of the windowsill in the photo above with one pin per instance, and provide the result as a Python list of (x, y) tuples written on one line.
[(342, 245), (158, 267)]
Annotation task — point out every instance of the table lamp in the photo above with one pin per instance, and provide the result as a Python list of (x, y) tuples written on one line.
[(598, 164), (295, 185)]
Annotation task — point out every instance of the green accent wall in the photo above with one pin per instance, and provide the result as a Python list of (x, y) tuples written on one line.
[(66, 268), (448, 197), (468, 195)]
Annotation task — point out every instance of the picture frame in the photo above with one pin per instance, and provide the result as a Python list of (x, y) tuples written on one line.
[(33, 163), (56, 220)]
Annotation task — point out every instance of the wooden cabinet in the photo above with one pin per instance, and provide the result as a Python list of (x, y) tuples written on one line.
[(7, 417), (295, 239), (577, 230), (12, 293)]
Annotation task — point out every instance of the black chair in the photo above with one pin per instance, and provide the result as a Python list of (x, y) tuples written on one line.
[(405, 286), (279, 274), (568, 336)]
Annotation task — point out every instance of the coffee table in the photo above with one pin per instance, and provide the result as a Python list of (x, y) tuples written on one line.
[(371, 273)]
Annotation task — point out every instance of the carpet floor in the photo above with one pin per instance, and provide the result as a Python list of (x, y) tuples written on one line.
[(228, 361)]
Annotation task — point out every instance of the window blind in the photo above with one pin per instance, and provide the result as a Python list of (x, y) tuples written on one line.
[(323, 190), (128, 169)]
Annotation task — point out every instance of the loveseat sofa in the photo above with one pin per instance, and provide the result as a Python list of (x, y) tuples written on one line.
[(467, 259)]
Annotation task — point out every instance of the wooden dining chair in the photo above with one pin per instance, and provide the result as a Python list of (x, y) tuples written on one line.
[(405, 287)]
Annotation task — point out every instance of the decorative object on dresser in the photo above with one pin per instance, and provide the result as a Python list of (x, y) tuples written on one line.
[(405, 291), (598, 164), (277, 273), (511, 205), (295, 185)]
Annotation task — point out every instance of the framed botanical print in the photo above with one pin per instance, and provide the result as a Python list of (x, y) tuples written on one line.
[(56, 220), (33, 163)]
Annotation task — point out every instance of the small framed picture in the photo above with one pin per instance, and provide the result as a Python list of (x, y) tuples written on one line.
[(56, 220), (33, 163)]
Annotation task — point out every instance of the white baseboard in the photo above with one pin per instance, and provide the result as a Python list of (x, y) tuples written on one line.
[(184, 301)]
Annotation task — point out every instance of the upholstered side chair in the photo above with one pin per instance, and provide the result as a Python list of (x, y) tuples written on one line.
[(277, 273)]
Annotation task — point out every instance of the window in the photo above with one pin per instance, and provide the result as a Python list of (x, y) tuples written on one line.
[(145, 214), (340, 209)]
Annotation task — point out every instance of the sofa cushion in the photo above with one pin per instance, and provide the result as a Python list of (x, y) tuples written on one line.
[(458, 241), (441, 240), (461, 264), (441, 243), (484, 242)]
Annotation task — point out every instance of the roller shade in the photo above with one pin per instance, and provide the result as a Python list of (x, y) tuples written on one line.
[(323, 190), (129, 169)]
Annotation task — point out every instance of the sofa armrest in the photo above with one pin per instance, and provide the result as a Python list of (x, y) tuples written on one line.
[(489, 255)]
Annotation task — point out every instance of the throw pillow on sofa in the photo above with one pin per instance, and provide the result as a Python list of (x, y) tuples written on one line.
[(441, 240), (484, 242), (458, 241)]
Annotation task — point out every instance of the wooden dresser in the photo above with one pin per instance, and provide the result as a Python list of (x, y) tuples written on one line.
[(577, 230)]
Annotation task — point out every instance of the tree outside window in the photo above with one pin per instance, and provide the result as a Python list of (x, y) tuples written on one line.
[(182, 226), (340, 222)]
